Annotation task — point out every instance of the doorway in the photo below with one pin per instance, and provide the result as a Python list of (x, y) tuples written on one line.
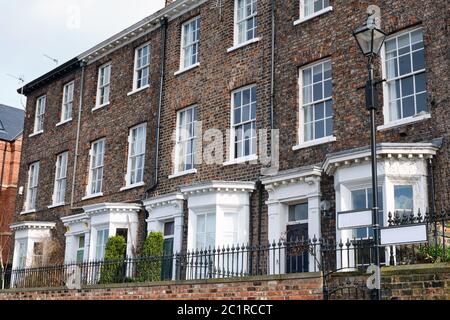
[(297, 249), (167, 263)]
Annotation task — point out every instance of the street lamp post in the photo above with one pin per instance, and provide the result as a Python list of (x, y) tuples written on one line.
[(370, 39)]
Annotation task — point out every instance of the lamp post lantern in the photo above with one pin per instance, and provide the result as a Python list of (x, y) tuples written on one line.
[(370, 39)]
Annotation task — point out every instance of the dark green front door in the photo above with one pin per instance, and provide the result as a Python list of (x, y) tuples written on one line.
[(167, 262)]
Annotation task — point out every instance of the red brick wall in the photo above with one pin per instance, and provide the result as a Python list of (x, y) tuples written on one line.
[(330, 36), (308, 287), (209, 87), (11, 160), (111, 122), (414, 282)]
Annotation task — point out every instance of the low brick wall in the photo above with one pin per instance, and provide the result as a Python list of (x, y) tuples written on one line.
[(413, 282), (285, 287), (420, 282), (416, 282)]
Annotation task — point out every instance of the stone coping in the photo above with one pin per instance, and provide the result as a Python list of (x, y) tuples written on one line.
[(386, 271), (401, 270), (268, 278)]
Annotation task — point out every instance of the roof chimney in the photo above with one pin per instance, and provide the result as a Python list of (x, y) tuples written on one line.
[(168, 2)]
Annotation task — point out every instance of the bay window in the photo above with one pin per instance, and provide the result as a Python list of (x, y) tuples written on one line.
[(362, 199), (403, 199), (22, 254), (205, 231), (80, 248), (102, 239), (38, 254)]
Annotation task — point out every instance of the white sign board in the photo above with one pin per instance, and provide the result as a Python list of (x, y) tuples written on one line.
[(354, 219), (407, 234)]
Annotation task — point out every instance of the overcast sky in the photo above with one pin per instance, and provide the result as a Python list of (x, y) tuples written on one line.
[(61, 29)]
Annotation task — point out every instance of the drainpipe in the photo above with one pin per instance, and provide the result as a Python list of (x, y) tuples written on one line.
[(77, 143), (272, 65), (433, 198), (272, 99), (3, 167), (162, 56)]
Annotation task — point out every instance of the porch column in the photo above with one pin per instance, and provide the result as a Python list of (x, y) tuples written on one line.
[(314, 230), (276, 227)]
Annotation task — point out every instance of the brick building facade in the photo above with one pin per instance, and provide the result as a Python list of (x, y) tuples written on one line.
[(11, 127), (296, 68)]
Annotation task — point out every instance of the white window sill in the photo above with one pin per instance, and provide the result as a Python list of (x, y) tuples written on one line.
[(56, 205), (63, 122), (317, 142), (405, 121), (184, 173), (312, 16), (132, 186), (34, 134), (100, 106), (28, 212), (138, 90), (195, 65), (92, 196), (235, 47), (241, 160)]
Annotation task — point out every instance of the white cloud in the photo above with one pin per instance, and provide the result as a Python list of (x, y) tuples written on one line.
[(59, 28)]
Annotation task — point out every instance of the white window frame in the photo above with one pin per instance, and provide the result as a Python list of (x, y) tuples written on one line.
[(130, 156), (32, 186), (312, 15), (22, 250), (37, 260), (301, 130), (204, 232), (251, 156), (60, 183), (401, 211), (180, 141), (244, 20), (101, 167), (39, 115), (78, 248), (67, 105), (295, 222), (184, 46), (103, 85), (386, 108), (367, 188), (100, 247), (136, 69)]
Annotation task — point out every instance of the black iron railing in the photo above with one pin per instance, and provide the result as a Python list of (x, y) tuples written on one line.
[(238, 261)]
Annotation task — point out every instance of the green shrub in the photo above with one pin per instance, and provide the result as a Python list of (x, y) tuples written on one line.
[(434, 254), (149, 268), (112, 269)]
